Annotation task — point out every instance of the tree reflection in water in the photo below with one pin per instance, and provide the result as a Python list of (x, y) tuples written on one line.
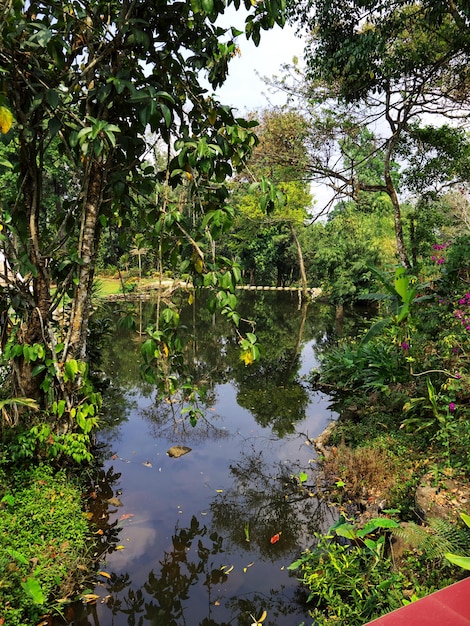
[(265, 501), (191, 561), (204, 571)]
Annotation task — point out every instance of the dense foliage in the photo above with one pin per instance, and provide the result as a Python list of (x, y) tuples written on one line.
[(43, 543), (89, 89)]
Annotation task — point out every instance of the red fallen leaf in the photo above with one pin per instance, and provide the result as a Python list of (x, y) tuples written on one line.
[(275, 538)]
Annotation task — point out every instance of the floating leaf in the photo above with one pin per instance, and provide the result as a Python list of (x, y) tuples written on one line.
[(147, 464), (114, 501), (119, 548), (177, 451), (275, 538), (90, 597), (259, 621), (104, 574)]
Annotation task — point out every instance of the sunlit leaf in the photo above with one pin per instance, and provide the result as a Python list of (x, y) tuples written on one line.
[(461, 561), (465, 518), (104, 574), (177, 451), (33, 589), (247, 357), (6, 120)]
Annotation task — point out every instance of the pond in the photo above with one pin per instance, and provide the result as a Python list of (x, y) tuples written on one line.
[(206, 538)]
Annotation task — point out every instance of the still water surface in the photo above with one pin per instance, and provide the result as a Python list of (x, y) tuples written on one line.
[(205, 539)]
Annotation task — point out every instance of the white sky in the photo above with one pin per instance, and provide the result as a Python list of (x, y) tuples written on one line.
[(244, 89)]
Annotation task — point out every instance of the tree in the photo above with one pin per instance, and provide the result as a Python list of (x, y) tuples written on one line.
[(280, 157), (89, 79), (386, 66)]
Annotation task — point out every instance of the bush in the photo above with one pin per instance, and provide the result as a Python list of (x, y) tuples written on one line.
[(364, 366), (348, 584)]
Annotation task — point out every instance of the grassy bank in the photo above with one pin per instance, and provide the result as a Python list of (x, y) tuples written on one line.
[(397, 463), (44, 543)]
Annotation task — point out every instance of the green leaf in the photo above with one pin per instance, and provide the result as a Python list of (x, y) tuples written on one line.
[(33, 589), (37, 369), (461, 561), (346, 530), (166, 114), (22, 560), (374, 524), (54, 126), (52, 98), (465, 518)]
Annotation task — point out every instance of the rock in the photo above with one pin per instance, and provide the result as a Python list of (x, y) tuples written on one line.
[(321, 441), (177, 451), (444, 501)]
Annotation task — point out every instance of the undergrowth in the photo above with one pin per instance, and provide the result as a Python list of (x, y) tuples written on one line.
[(43, 543), (404, 402)]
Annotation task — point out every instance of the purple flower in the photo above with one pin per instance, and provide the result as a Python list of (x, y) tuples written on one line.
[(405, 345), (441, 260), (452, 406)]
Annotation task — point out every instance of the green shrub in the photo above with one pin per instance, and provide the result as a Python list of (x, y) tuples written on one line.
[(348, 584), (43, 539), (373, 365)]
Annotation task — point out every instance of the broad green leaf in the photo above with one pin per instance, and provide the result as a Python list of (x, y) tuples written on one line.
[(461, 561), (33, 589), (465, 518), (346, 530)]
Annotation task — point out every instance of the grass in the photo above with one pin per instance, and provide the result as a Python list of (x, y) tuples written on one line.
[(107, 286), (44, 539)]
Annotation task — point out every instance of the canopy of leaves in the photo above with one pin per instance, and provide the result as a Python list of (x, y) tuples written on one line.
[(364, 46)]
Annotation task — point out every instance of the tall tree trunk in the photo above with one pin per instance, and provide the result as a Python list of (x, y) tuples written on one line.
[(36, 320), (303, 274), (397, 219), (75, 344)]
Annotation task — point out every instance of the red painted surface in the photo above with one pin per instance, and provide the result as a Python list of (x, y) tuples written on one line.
[(447, 607)]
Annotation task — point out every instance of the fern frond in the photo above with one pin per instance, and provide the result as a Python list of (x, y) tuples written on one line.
[(436, 539)]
